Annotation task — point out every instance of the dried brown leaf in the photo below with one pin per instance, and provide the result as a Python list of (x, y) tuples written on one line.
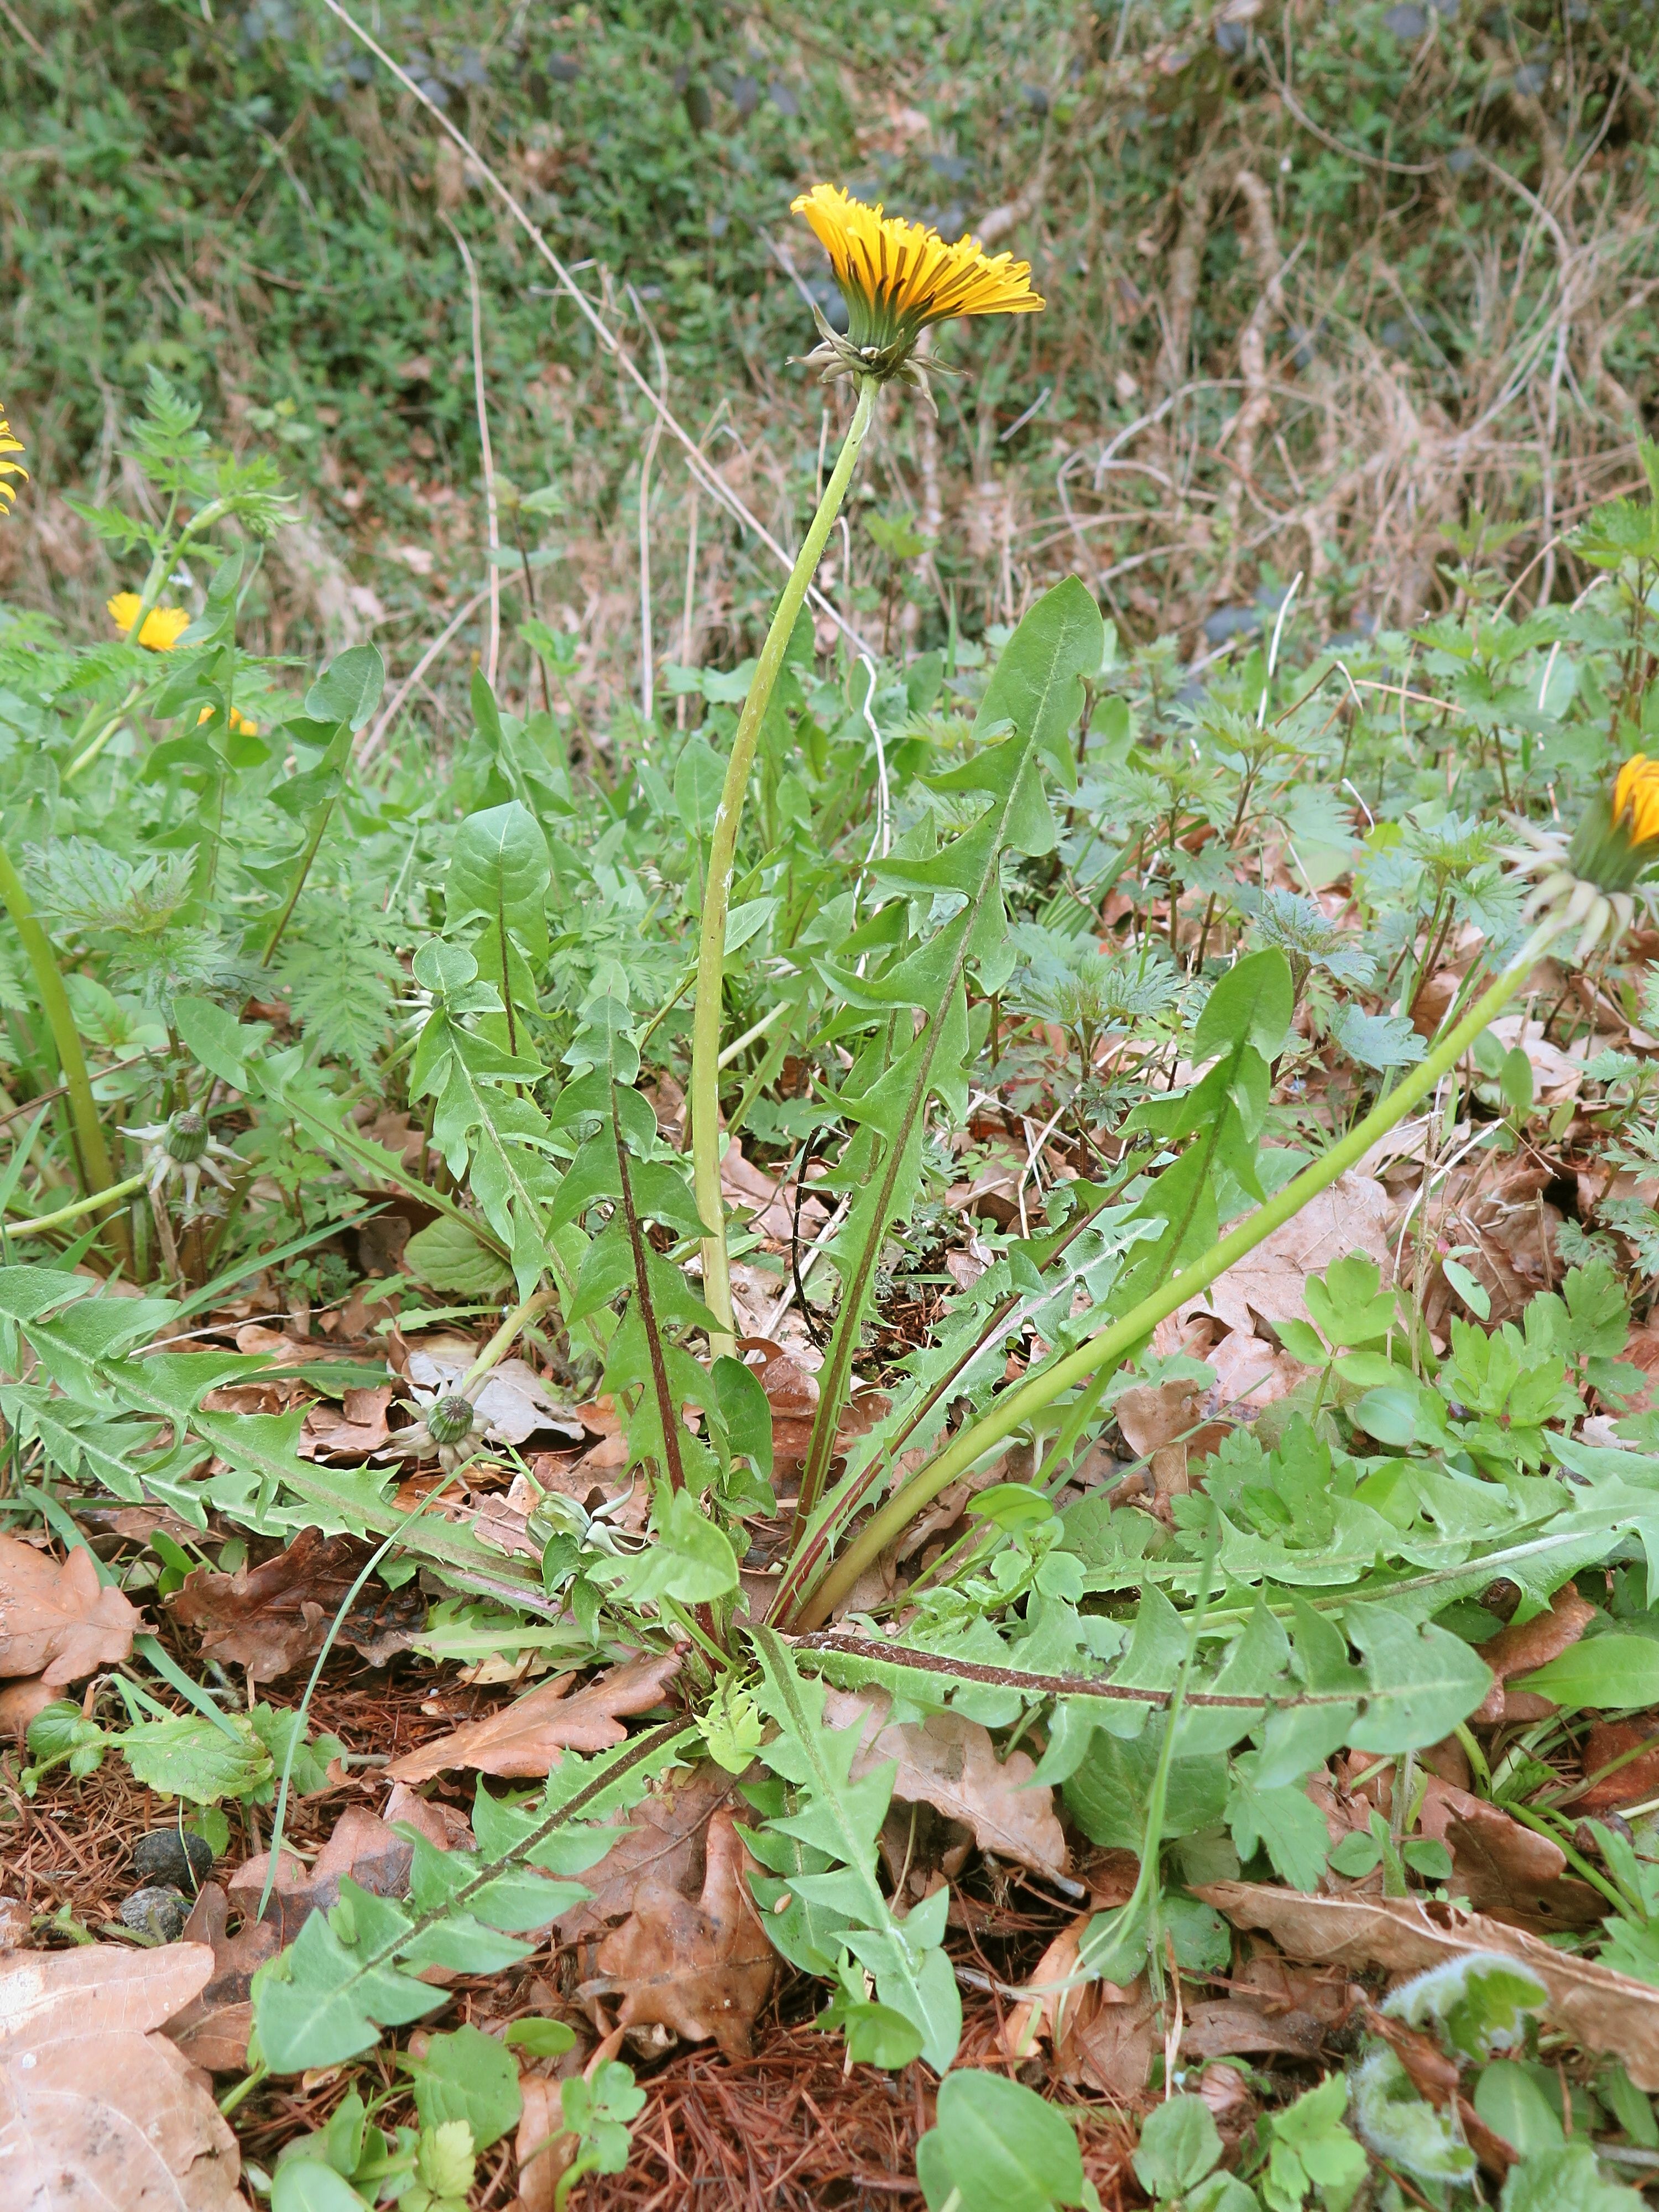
[(212, 2030), (950, 1762), (19, 1703), (272, 1617), (1229, 2028), (661, 1846), (1352, 1216), (1604, 2011), (702, 1969), (1628, 1784), (541, 2162), (1641, 1350), (1516, 1874), (769, 1205), (95, 2109), (358, 1428), (527, 1738), (54, 1620), (1249, 1374), (1153, 1414), (1518, 1649)]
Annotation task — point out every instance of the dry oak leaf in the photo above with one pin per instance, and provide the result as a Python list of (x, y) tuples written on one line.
[(950, 1763), (1228, 2027), (701, 1968), (54, 1620), (358, 1428), (21, 1702), (528, 1738), (1518, 1649), (213, 2028), (1603, 2011), (1352, 1216), (1516, 1874), (1628, 1784), (543, 2150), (95, 2109), (1249, 1374), (661, 1846), (1101, 2034), (273, 1617), (1154, 1416)]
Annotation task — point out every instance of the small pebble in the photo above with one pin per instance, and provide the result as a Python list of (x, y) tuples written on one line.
[(158, 1913), (175, 1861)]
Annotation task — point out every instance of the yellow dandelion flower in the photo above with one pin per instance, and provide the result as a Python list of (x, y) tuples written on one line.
[(1636, 798), (898, 277), (1591, 881), (239, 721), (163, 626), (8, 468)]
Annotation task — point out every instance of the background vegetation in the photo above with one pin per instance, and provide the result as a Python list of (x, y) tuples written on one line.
[(1416, 242), (350, 1311)]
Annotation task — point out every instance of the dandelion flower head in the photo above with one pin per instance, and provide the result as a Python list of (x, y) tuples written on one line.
[(1636, 798), (898, 277), (163, 626), (8, 468)]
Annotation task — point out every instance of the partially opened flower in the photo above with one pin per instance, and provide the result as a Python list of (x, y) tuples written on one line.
[(8, 468), (1592, 879), (897, 278), (182, 1149), (163, 626)]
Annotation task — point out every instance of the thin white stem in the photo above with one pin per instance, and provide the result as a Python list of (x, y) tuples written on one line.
[(492, 520)]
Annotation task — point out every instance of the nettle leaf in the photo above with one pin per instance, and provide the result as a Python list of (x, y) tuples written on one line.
[(996, 2146), (1401, 2126), (349, 688), (1180, 2144), (1479, 2003), (190, 1757), (467, 2075)]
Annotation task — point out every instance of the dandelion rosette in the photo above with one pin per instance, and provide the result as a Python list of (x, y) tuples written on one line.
[(1591, 880), (897, 278), (10, 468), (163, 626)]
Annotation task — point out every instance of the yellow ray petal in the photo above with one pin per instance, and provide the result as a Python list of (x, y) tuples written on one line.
[(898, 277)]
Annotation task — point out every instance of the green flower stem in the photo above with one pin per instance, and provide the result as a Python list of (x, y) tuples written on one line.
[(167, 558), (96, 1174), (1112, 1344), (43, 1221), (722, 854), (505, 1337)]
